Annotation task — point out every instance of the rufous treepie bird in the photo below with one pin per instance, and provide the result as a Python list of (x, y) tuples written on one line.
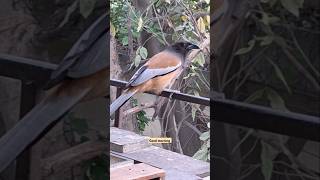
[(82, 75), (157, 73)]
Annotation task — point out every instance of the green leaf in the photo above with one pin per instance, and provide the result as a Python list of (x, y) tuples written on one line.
[(140, 23), (196, 93), (137, 60), (200, 59), (143, 52), (125, 41), (193, 112), (276, 100), (113, 30), (204, 136), (268, 153), (245, 50), (293, 6), (279, 74), (86, 7), (201, 154)]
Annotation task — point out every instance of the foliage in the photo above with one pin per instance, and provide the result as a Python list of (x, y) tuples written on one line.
[(204, 152), (75, 131), (271, 65), (168, 21), (142, 120), (96, 169)]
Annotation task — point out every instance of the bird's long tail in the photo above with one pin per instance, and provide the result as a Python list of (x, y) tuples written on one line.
[(41, 117), (121, 100)]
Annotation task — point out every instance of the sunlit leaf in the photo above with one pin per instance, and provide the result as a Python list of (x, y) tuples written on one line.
[(204, 136), (140, 23), (143, 52), (125, 41), (201, 25), (207, 21), (201, 154), (113, 30), (184, 18), (193, 112), (200, 59), (196, 93), (137, 60)]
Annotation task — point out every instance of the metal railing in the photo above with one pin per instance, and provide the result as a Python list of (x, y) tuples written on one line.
[(248, 115), (33, 74)]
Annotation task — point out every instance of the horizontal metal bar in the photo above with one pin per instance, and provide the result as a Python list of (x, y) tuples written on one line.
[(25, 69), (253, 116), (167, 93), (267, 119)]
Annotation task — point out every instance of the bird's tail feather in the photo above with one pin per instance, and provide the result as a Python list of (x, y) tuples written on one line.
[(120, 101), (44, 114)]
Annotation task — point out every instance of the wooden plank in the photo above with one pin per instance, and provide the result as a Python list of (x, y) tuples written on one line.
[(117, 161), (139, 171), (72, 156), (170, 161), (27, 102), (126, 141)]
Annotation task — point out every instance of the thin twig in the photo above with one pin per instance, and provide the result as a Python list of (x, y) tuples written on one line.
[(138, 108), (162, 33)]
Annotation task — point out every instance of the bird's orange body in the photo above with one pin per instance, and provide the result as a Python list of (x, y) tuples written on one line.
[(157, 73)]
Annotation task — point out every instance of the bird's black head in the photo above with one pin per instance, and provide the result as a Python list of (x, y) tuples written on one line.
[(183, 48)]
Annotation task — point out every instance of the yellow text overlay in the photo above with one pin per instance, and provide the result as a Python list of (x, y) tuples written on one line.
[(160, 140)]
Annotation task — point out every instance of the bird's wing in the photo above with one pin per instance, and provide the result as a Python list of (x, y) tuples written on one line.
[(160, 64), (87, 56)]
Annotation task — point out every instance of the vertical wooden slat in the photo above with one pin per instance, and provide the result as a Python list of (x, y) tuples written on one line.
[(27, 101), (117, 114)]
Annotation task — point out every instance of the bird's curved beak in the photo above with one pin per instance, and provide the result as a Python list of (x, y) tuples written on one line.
[(192, 46)]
